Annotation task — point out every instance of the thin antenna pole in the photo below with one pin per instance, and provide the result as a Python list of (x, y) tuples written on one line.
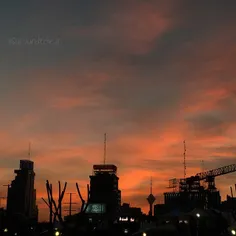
[(151, 186), (184, 159), (29, 152), (105, 148)]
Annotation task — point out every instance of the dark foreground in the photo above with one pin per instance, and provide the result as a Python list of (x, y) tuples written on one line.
[(159, 230), (198, 223)]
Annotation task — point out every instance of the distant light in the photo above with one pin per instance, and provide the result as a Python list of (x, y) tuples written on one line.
[(198, 215), (126, 231), (57, 233), (186, 222), (5, 230), (144, 234), (233, 232)]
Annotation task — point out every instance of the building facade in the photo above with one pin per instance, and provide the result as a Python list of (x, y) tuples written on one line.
[(21, 200), (104, 188), (187, 201)]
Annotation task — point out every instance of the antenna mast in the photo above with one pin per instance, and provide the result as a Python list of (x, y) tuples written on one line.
[(184, 159), (204, 184), (29, 152), (151, 186), (105, 148)]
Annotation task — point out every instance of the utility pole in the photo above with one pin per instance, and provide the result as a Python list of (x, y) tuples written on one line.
[(70, 204), (184, 159), (105, 148)]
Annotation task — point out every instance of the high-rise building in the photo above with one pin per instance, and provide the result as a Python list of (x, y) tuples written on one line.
[(21, 199), (104, 188)]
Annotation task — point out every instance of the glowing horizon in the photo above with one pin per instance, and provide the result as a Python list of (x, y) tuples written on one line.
[(148, 73)]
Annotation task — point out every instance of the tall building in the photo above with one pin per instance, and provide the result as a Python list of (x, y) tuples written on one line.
[(104, 188), (21, 199)]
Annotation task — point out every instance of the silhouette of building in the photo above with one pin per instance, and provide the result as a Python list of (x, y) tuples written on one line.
[(160, 209), (21, 200), (229, 204), (104, 188), (189, 193), (187, 201), (127, 210), (2, 218)]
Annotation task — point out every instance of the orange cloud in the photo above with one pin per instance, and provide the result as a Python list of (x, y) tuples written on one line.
[(147, 106)]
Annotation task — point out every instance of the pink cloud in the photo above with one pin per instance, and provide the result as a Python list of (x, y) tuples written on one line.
[(135, 28)]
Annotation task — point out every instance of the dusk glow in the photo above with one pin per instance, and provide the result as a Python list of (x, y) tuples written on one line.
[(150, 74)]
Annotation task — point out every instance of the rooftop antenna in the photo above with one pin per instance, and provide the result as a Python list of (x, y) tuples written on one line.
[(203, 170), (203, 167), (184, 159), (151, 185), (29, 152), (105, 148)]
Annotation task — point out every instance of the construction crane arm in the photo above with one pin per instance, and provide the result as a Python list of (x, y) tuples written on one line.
[(217, 172)]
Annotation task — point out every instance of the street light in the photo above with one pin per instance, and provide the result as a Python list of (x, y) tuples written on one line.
[(198, 216), (233, 232), (144, 234)]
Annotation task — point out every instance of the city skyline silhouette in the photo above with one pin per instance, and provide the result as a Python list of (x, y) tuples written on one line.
[(150, 74)]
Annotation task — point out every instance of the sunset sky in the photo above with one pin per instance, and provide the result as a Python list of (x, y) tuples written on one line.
[(148, 73)]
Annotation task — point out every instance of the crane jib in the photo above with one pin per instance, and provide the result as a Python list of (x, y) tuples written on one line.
[(217, 172), (207, 175)]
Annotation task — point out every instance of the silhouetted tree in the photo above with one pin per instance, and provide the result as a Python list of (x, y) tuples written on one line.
[(55, 210), (83, 209)]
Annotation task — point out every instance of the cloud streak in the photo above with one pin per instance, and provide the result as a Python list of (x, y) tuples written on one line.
[(149, 73)]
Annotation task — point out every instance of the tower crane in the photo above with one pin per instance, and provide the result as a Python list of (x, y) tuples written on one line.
[(209, 176)]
